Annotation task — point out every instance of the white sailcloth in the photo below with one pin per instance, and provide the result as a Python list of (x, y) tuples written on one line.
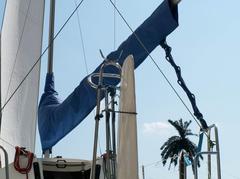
[(21, 42), (127, 156)]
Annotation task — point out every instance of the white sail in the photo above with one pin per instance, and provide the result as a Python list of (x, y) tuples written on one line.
[(127, 156), (21, 40)]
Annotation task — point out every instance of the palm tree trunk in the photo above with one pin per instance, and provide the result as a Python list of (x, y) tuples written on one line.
[(185, 170), (181, 167)]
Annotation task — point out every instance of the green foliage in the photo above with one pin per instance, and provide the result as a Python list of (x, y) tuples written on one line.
[(175, 144)]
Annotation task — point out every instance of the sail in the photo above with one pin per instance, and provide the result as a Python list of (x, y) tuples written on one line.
[(21, 40), (127, 151), (57, 119)]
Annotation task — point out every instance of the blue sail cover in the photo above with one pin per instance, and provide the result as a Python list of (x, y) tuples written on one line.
[(55, 119)]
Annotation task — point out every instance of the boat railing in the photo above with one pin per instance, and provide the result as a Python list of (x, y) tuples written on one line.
[(101, 74), (209, 153), (6, 162), (102, 89)]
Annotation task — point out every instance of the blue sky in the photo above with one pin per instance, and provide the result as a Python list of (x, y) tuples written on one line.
[(205, 45)]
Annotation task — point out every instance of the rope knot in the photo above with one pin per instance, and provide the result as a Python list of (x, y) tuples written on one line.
[(22, 152)]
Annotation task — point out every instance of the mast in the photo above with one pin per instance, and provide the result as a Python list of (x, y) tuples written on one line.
[(50, 51), (51, 36), (0, 87)]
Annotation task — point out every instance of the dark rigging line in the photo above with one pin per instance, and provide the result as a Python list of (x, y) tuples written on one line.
[(81, 35), (155, 63), (182, 84), (39, 58), (85, 60), (11, 145), (160, 70)]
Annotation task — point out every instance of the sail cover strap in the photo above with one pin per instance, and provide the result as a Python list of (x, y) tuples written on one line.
[(57, 119)]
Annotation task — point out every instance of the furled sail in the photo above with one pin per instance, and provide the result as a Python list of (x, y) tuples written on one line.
[(57, 119), (127, 150), (21, 40)]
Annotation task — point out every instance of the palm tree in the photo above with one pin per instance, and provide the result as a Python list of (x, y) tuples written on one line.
[(177, 146)]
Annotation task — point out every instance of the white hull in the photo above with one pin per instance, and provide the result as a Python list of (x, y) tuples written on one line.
[(59, 168)]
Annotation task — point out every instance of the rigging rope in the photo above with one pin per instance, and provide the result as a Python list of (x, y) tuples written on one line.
[(153, 163), (82, 42), (11, 145), (182, 83), (85, 60), (155, 63), (39, 58), (29, 155)]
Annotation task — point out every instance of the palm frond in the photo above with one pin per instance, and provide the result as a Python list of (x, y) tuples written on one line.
[(180, 122), (169, 150), (178, 127), (186, 124), (169, 141), (176, 144)]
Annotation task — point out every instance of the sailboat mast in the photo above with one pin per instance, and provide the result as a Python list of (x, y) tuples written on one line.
[(51, 36), (50, 51), (0, 87)]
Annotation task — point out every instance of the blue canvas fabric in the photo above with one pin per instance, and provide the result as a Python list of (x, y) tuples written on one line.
[(187, 160), (55, 119), (199, 147)]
